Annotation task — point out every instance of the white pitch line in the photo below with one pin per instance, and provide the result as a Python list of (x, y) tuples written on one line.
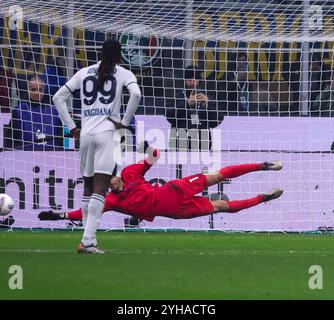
[(27, 250), (182, 252)]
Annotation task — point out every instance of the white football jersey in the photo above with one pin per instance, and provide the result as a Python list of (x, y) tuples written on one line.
[(97, 106)]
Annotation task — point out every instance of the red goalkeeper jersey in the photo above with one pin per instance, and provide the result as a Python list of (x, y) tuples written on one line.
[(137, 197), (175, 199)]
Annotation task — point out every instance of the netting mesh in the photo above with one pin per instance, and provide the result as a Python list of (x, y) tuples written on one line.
[(265, 68), (191, 19)]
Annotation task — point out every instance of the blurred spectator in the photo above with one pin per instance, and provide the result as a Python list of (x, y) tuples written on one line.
[(320, 75), (237, 88), (6, 80), (294, 88), (324, 107), (35, 125), (55, 75), (241, 80), (191, 113)]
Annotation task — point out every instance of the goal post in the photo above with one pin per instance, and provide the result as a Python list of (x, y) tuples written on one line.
[(265, 68)]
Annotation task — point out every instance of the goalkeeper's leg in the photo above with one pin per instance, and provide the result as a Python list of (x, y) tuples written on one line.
[(237, 205), (241, 169), (198, 206)]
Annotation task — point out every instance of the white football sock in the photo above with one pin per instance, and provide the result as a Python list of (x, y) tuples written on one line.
[(95, 210), (84, 209), (97, 226)]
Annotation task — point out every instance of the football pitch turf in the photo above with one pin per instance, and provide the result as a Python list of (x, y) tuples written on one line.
[(172, 265)]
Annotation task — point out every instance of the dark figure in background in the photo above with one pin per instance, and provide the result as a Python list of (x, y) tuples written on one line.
[(294, 88), (324, 107), (242, 83), (6, 80), (54, 76), (192, 113), (236, 89), (35, 125), (320, 81)]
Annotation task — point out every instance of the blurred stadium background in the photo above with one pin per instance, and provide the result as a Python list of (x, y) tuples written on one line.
[(267, 67)]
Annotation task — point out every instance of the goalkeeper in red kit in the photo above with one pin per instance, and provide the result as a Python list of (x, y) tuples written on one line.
[(177, 199)]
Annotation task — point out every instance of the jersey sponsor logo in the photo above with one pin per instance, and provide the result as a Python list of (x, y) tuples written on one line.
[(97, 112), (139, 45)]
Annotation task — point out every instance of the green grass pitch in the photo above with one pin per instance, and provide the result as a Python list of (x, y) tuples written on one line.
[(180, 265)]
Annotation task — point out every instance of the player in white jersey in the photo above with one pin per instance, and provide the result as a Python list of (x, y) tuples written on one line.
[(101, 86)]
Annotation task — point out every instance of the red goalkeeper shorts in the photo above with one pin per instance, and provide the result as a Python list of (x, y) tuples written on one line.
[(176, 199)]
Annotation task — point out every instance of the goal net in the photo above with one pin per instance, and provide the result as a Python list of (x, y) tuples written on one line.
[(262, 75)]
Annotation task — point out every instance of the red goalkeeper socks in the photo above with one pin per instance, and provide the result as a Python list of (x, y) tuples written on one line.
[(240, 169), (237, 205)]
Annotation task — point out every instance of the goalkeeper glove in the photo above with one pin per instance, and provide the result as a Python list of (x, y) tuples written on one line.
[(6, 223), (50, 215)]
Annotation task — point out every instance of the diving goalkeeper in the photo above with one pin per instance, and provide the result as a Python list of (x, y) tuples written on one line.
[(177, 199)]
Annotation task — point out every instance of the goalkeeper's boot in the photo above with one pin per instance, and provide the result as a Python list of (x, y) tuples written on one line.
[(273, 194), (274, 166), (89, 249), (51, 215), (6, 223)]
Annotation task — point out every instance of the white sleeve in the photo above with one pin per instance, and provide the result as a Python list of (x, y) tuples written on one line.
[(59, 100), (133, 102), (62, 95), (130, 78), (74, 83)]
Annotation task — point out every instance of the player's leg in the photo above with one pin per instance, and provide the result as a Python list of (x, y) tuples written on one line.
[(87, 171), (239, 170), (237, 205), (95, 210), (88, 191), (198, 206), (104, 164)]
